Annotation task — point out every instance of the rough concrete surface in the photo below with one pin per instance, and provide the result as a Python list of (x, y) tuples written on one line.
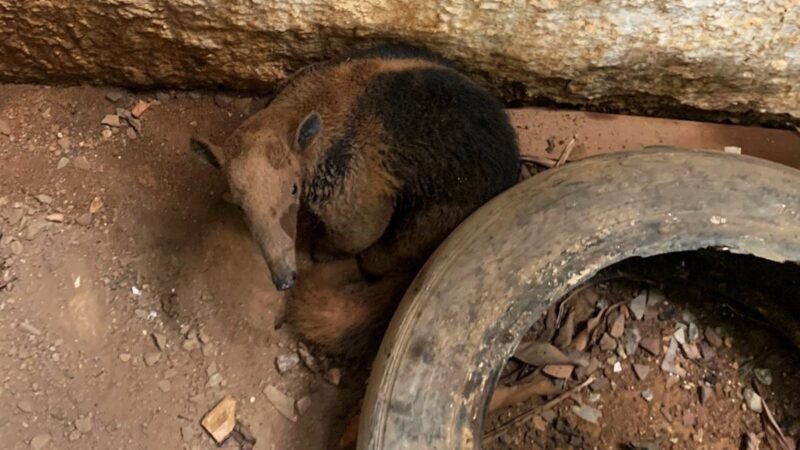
[(734, 55)]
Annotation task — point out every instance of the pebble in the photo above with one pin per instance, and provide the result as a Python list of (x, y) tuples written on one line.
[(638, 306), (131, 133), (203, 337), (15, 216), (170, 373), (705, 393), (111, 120), (16, 247), (668, 363), (151, 358), (617, 326), (631, 337), (302, 405), (282, 402), (164, 386), (220, 421), (190, 344), (163, 97), (114, 96), (124, 357), (36, 227), (25, 405), (44, 199), (680, 335), (5, 128), (63, 162), (139, 108), (84, 219), (764, 376), (187, 433), (647, 395), (691, 351), (40, 441), (160, 340), (55, 217), (752, 400), (74, 435), (106, 133), (641, 371), (607, 342), (95, 205), (84, 425), (222, 100), (651, 345), (211, 369), (284, 363), (214, 380), (587, 413), (64, 143), (81, 163), (713, 337)]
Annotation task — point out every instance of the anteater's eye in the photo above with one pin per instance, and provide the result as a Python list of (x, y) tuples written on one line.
[(294, 189)]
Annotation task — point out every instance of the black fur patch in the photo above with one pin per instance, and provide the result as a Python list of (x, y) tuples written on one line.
[(451, 141), (332, 170)]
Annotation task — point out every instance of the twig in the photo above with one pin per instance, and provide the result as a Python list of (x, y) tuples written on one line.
[(771, 419), (531, 412), (546, 162), (567, 151)]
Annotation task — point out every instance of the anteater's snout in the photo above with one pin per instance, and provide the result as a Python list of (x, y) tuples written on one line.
[(284, 281)]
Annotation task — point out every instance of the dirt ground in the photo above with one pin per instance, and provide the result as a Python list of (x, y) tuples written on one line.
[(162, 254), (132, 299)]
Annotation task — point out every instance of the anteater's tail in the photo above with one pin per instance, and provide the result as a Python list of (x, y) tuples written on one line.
[(332, 307)]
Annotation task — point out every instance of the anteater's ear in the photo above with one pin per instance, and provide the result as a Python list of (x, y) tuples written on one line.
[(207, 152), (308, 131)]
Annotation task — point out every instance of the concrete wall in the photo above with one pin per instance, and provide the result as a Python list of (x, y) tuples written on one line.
[(712, 54)]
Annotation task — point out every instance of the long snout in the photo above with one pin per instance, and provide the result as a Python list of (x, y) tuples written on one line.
[(283, 276), (278, 249)]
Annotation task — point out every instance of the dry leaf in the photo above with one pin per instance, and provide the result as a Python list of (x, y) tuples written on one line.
[(540, 354)]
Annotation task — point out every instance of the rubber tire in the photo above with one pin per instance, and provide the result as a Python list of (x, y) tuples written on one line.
[(495, 275)]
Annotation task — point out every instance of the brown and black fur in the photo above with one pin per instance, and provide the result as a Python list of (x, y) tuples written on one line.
[(390, 148)]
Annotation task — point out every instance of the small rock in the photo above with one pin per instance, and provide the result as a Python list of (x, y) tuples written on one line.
[(284, 363), (106, 133), (214, 380), (191, 344), (607, 343), (302, 405), (641, 371), (691, 351), (170, 373), (187, 433), (764, 376), (164, 386), (124, 357), (713, 337), (163, 97), (114, 96), (668, 363), (160, 341), (680, 335), (5, 128), (40, 441), (131, 133), (222, 100), (55, 217), (647, 395), (16, 247), (333, 376), (638, 306), (282, 402), (74, 435), (203, 337), (651, 345), (617, 326), (308, 359), (111, 120), (600, 385), (693, 332), (151, 358), (81, 163), (631, 337), (15, 216), (587, 413), (211, 369), (63, 162), (707, 351), (84, 219), (705, 394), (539, 424), (139, 108), (44, 199), (25, 405), (617, 367), (96, 204), (752, 400), (36, 227), (84, 425), (219, 422), (64, 143)]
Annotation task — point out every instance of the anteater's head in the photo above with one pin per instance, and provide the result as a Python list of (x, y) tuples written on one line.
[(265, 173)]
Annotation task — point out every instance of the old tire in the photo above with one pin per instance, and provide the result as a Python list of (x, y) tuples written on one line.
[(487, 284)]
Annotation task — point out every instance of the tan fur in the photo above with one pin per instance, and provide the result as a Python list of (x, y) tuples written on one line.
[(330, 305)]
